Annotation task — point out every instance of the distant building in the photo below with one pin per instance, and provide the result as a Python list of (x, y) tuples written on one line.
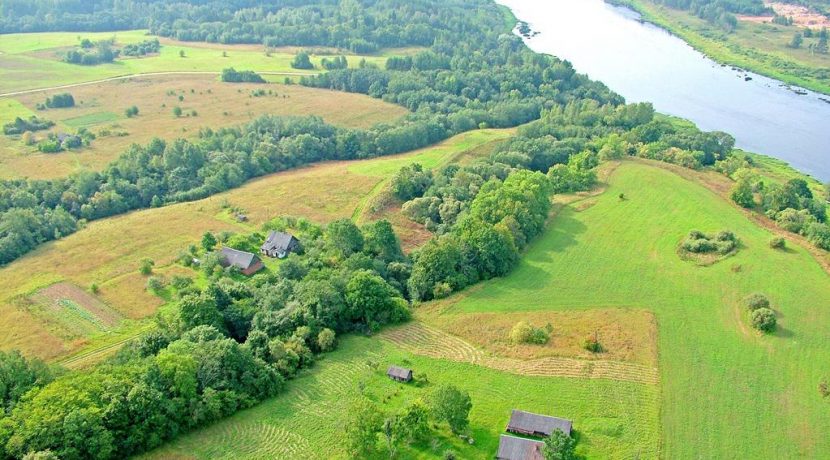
[(399, 373), (246, 262), (513, 448), (279, 244), (530, 424)]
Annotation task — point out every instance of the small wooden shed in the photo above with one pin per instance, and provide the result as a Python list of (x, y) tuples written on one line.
[(530, 424), (401, 374)]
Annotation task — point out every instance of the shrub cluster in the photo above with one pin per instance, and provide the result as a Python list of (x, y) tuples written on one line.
[(20, 126), (58, 101), (524, 332), (338, 62), (761, 314), (700, 243), (141, 49), (231, 75), (101, 52)]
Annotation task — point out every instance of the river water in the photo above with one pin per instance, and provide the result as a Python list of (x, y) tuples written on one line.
[(647, 64)]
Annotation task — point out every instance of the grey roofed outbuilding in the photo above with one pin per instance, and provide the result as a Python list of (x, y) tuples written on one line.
[(279, 244), (245, 261), (399, 373), (513, 448), (537, 425)]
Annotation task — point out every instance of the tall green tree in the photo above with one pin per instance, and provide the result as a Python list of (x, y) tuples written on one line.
[(742, 194), (208, 241), (449, 404), (364, 424), (559, 446), (344, 237)]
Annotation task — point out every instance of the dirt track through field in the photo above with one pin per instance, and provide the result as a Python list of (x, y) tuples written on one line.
[(145, 74), (424, 340)]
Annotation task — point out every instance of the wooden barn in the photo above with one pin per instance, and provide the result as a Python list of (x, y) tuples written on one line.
[(530, 424), (279, 244), (246, 262), (513, 448), (400, 374)]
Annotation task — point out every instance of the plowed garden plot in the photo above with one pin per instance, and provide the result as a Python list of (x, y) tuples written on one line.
[(72, 311)]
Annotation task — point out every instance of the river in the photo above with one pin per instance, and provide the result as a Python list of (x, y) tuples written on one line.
[(644, 63)]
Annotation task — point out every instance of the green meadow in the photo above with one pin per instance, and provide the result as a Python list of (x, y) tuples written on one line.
[(724, 388), (32, 61)]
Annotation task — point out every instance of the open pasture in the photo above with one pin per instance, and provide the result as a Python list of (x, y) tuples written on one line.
[(100, 108), (615, 419), (761, 396)]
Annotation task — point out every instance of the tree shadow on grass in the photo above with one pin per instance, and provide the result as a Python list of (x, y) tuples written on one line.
[(559, 236), (783, 333)]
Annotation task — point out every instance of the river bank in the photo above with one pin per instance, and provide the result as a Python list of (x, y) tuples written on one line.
[(728, 53), (645, 63)]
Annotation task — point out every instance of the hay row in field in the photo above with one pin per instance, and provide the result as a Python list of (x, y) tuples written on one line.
[(424, 340)]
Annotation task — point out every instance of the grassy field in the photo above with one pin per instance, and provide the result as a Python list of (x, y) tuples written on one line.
[(615, 419), (725, 388), (761, 48), (604, 265), (31, 61), (107, 252), (100, 108)]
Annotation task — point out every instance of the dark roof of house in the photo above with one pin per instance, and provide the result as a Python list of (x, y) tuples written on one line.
[(513, 448), (240, 259), (278, 240), (535, 423), (399, 372)]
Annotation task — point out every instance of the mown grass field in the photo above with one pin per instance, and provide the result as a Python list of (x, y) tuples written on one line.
[(761, 48), (108, 252), (100, 107), (31, 61), (724, 388), (615, 419)]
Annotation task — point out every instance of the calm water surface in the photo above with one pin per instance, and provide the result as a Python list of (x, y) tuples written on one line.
[(646, 64)]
